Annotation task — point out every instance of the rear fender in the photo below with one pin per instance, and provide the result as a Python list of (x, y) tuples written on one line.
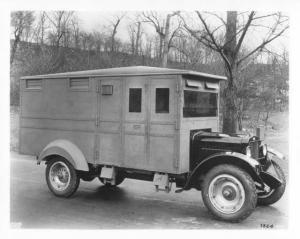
[(247, 163), (67, 150)]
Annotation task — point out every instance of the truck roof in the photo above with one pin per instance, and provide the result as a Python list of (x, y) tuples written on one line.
[(127, 71)]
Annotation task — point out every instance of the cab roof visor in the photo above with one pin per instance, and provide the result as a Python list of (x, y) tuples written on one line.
[(211, 85), (195, 84)]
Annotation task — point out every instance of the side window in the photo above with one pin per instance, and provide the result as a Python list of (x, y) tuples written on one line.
[(135, 100), (162, 100)]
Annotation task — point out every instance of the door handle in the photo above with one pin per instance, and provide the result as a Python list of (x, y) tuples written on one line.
[(136, 126)]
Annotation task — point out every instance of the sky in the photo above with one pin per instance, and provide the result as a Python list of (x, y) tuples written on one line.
[(95, 20)]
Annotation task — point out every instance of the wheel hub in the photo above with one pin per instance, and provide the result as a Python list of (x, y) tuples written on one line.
[(226, 194), (59, 176), (229, 193)]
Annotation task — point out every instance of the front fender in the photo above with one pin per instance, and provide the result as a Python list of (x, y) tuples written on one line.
[(66, 149), (275, 153), (247, 163)]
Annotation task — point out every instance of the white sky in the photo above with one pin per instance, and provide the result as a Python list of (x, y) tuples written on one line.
[(92, 20)]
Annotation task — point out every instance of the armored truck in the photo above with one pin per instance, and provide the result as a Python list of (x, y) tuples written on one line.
[(145, 123)]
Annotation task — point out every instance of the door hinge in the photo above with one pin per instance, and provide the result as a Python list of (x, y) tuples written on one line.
[(97, 121), (177, 88), (96, 155), (98, 88), (176, 124)]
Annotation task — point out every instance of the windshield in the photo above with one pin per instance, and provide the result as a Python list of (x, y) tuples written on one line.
[(200, 104)]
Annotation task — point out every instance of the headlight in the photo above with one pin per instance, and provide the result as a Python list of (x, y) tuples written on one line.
[(248, 151), (264, 150)]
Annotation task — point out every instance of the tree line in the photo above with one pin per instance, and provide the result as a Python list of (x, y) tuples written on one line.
[(49, 42)]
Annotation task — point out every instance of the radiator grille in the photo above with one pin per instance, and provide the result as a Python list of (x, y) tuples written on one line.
[(254, 147)]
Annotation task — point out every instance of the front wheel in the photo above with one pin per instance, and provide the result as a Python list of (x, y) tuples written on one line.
[(229, 193), (271, 197), (61, 177)]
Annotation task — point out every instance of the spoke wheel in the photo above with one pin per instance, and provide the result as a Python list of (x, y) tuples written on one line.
[(61, 177)]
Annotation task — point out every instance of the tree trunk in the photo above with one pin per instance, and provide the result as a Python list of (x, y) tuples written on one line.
[(230, 111), (160, 46), (230, 108), (165, 51), (14, 49), (137, 42)]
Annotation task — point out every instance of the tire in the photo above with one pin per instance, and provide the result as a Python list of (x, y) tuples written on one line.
[(119, 180), (265, 199), (229, 193), (61, 177)]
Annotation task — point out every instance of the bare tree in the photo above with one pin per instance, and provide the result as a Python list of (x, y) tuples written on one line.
[(135, 34), (59, 36), (21, 21), (163, 29), (114, 25), (75, 29), (98, 40), (60, 21), (229, 48), (40, 28)]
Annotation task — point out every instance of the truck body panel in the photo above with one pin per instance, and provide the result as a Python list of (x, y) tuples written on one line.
[(132, 118)]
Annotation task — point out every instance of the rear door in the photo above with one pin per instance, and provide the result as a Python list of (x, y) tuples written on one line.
[(109, 126)]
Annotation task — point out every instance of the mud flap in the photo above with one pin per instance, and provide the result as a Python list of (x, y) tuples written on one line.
[(270, 177)]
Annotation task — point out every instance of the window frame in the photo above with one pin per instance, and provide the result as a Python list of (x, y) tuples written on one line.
[(156, 100), (140, 100), (201, 91)]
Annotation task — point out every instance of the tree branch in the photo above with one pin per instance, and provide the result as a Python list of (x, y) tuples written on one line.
[(217, 16), (220, 49), (245, 29), (261, 46)]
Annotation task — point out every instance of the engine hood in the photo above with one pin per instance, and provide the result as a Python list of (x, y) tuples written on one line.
[(220, 138), (203, 144)]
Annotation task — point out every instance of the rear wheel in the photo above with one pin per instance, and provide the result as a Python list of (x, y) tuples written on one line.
[(271, 197), (61, 177), (229, 193)]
